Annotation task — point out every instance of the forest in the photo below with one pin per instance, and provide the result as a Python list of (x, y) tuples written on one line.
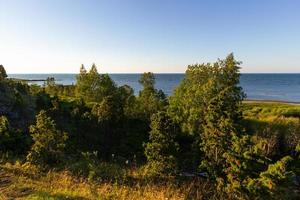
[(98, 140)]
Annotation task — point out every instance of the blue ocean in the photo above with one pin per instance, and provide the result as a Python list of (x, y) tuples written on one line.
[(279, 87)]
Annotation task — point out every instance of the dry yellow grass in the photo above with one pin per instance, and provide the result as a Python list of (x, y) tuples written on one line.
[(26, 184)]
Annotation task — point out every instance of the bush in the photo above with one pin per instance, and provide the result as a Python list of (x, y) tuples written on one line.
[(49, 143)]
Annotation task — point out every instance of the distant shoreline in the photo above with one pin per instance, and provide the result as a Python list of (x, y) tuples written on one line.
[(270, 101), (168, 85), (27, 80)]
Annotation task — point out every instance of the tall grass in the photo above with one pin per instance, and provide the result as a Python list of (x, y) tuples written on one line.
[(26, 182)]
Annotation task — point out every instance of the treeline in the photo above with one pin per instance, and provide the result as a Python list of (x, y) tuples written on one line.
[(200, 129)]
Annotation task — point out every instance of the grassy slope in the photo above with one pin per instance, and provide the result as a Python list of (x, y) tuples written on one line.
[(258, 109), (281, 117), (17, 182)]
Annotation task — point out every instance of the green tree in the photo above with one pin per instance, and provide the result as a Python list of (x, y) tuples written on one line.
[(5, 135), (250, 175), (147, 80), (162, 149), (202, 86), (150, 100), (274, 183), (3, 74), (10, 138), (92, 86), (49, 143), (17, 103), (207, 104), (128, 100), (107, 110), (83, 84), (187, 105), (223, 114), (109, 115), (230, 156), (243, 161)]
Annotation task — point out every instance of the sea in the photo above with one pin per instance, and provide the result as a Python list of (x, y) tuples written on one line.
[(274, 87)]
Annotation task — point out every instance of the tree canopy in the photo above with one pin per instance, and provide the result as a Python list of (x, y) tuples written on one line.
[(3, 74)]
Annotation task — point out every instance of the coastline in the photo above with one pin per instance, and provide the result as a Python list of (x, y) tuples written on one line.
[(271, 101), (36, 80)]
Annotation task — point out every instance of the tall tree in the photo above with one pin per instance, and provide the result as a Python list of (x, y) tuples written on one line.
[(207, 105), (147, 80), (3, 74), (223, 114), (93, 86), (162, 149), (150, 99), (189, 101)]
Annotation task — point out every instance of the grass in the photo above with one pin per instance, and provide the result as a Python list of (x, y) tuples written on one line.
[(282, 117), (28, 184), (262, 110)]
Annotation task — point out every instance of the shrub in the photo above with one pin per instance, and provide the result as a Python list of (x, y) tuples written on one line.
[(49, 142)]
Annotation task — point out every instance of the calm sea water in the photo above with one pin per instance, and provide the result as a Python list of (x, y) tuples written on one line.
[(282, 87)]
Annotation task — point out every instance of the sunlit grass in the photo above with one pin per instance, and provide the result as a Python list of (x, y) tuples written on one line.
[(27, 183)]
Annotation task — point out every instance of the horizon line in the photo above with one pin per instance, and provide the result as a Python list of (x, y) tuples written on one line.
[(150, 71)]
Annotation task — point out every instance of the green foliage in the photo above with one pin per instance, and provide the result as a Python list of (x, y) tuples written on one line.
[(92, 86), (207, 86), (49, 143), (5, 135), (3, 74), (54, 89), (242, 161), (249, 174), (162, 149), (147, 80), (274, 182), (107, 110), (208, 104), (150, 100), (223, 113), (4, 126), (17, 103), (246, 150), (187, 104), (10, 138), (50, 82), (128, 101)]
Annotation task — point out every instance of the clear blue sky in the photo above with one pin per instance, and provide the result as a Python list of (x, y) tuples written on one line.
[(148, 35)]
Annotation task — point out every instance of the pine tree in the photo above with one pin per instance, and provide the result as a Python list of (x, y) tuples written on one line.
[(3, 74), (223, 115), (92, 86), (274, 183), (161, 151), (49, 143)]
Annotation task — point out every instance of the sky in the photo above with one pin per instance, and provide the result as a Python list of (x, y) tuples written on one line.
[(161, 36)]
